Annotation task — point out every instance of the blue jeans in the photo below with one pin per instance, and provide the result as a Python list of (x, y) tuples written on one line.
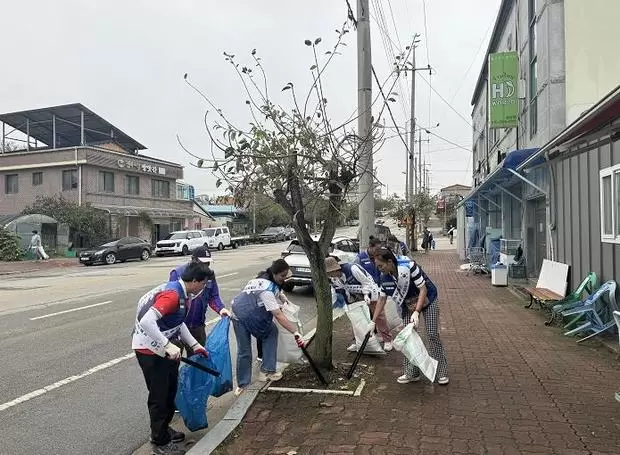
[(244, 352)]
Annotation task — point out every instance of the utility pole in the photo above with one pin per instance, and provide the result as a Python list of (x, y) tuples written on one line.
[(254, 214), (366, 194)]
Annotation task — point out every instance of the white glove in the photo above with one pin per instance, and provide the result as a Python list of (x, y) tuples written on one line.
[(172, 351), (371, 327), (415, 318), (367, 299), (224, 312)]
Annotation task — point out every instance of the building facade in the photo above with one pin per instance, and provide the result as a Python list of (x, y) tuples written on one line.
[(137, 192), (566, 61)]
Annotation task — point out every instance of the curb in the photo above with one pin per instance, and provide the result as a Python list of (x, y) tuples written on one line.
[(216, 436)]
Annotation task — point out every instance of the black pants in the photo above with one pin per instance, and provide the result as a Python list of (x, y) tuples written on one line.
[(161, 376), (200, 334), (259, 348)]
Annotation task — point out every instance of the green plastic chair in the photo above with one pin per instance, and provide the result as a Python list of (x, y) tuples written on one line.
[(574, 299)]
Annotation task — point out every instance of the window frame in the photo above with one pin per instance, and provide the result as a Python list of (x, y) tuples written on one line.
[(129, 178), (6, 183), (102, 182), (156, 184), (40, 180), (62, 179), (610, 172)]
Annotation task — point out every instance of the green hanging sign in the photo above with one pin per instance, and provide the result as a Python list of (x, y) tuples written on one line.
[(503, 96)]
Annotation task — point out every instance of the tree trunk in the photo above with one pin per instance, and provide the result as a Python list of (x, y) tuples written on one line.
[(322, 344)]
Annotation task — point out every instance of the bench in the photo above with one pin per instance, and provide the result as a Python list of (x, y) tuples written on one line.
[(551, 285)]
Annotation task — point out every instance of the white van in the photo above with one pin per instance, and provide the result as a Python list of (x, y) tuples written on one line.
[(218, 237)]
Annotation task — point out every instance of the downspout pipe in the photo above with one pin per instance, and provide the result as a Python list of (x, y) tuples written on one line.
[(551, 207)]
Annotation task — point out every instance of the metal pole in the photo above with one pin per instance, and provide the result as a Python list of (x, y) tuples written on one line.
[(412, 176), (254, 215), (3, 138), (364, 123), (28, 134), (81, 127), (53, 131)]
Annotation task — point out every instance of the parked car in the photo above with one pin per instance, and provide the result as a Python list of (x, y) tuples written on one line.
[(381, 232), (272, 234), (117, 250), (181, 242), (290, 233), (342, 248)]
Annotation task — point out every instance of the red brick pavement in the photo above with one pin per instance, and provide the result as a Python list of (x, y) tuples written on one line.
[(517, 387)]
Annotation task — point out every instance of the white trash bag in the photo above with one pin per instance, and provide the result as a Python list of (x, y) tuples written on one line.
[(410, 344), (359, 315), (392, 316), (288, 351)]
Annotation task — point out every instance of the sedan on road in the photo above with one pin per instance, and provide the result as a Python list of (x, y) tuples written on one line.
[(272, 234), (117, 250), (343, 248)]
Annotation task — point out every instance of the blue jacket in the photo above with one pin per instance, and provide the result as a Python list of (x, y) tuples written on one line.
[(368, 264), (210, 296)]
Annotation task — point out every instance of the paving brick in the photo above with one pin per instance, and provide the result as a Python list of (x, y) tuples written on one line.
[(516, 387)]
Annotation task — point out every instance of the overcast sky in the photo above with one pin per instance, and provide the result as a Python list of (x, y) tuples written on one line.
[(125, 60)]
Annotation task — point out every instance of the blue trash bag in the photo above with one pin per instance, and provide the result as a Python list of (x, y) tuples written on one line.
[(193, 392), (219, 357)]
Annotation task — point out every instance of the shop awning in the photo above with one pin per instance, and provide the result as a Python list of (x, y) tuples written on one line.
[(503, 177), (153, 212)]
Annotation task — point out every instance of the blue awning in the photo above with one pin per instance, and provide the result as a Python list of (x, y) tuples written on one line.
[(503, 176)]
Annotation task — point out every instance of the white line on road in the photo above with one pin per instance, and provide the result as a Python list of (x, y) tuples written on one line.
[(71, 310), (226, 275), (56, 385)]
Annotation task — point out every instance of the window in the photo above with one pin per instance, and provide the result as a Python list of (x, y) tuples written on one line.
[(69, 180), (533, 86), (132, 184), (160, 188), (106, 181), (37, 178), (610, 204), (11, 184)]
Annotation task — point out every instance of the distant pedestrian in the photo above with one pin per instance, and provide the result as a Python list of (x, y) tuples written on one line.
[(427, 239), (253, 311), (451, 233), (159, 331), (414, 294), (37, 247)]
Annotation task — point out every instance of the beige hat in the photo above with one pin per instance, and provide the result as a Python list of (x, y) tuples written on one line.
[(331, 264)]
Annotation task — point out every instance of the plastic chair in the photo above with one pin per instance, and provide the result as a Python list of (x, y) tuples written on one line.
[(574, 299), (598, 318)]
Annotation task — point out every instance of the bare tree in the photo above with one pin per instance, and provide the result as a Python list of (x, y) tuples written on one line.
[(297, 156)]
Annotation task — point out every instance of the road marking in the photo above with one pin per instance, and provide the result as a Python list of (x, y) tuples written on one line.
[(226, 275), (58, 384), (71, 310)]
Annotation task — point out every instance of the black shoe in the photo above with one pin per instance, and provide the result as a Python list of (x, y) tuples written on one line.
[(175, 436)]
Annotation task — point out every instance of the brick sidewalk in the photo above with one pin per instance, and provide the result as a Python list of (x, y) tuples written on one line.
[(517, 387), (10, 268)]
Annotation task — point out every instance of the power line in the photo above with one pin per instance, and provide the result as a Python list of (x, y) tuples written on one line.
[(445, 101)]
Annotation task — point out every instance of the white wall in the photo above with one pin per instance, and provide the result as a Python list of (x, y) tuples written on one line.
[(592, 57)]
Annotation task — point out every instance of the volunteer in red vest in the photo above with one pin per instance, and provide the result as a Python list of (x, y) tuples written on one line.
[(159, 329)]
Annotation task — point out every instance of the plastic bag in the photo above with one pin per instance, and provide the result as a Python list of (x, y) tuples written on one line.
[(359, 315), (193, 392), (411, 345), (392, 315), (219, 357), (288, 351)]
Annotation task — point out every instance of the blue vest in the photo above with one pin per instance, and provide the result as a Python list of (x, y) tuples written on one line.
[(368, 264), (256, 319), (172, 320), (388, 284), (349, 280), (196, 313)]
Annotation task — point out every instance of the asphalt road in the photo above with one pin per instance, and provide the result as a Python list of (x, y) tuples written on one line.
[(56, 326)]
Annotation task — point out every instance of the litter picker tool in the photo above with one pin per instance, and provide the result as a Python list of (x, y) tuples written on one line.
[(358, 356), (200, 367), (318, 373)]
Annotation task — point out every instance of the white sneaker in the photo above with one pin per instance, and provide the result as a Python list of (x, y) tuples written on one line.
[(264, 377), (387, 346), (404, 379), (259, 360), (352, 348), (443, 380), (238, 391)]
